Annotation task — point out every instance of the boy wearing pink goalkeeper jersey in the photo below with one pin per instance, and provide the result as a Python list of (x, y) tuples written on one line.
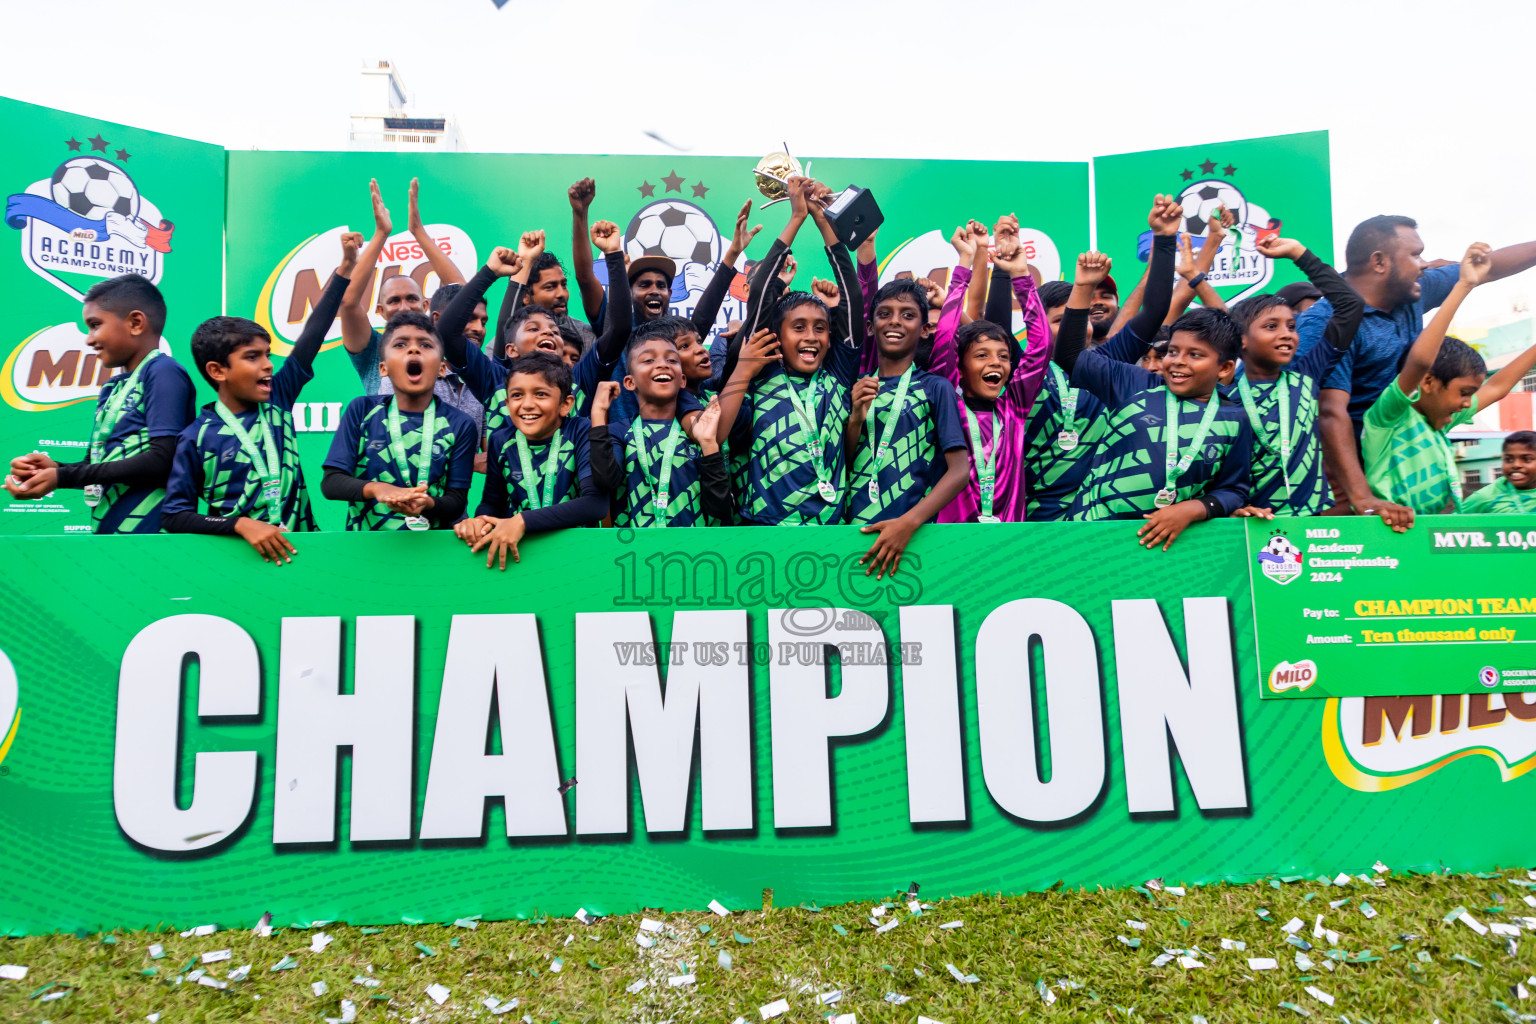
[(995, 384)]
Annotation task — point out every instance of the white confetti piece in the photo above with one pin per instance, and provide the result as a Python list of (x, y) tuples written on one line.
[(216, 955), (319, 988), (1293, 926), (681, 979), (365, 982), (892, 923), (645, 941), (1379, 867), (153, 1018), (1046, 995), (1304, 962), (1189, 963), (212, 982), (1154, 884), (556, 965), (1140, 926), (719, 908), (51, 996), (828, 998), (1499, 928), (1342, 879), (1336, 904), (569, 939), (774, 1009), (1236, 944), (583, 916), (12, 972), (156, 951), (203, 930), (1317, 927), (499, 1008), (1319, 995), (896, 998), (1177, 890), (877, 912), (1530, 901), (318, 942), (646, 924), (964, 979), (194, 975), (240, 973), (951, 925), (467, 922), (1473, 923), (263, 929), (1263, 963), (1161, 959), (1521, 992), (636, 986), (914, 907), (438, 993), (927, 1020), (845, 1018)]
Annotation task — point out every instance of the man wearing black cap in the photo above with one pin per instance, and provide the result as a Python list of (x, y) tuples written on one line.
[(1299, 295)]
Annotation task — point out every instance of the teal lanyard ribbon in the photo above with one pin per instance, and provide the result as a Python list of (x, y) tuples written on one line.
[(531, 479), (1067, 438), (1175, 465), (109, 413), (986, 463), (660, 480), (805, 411), (1283, 400), (883, 449), (423, 454), (263, 459)]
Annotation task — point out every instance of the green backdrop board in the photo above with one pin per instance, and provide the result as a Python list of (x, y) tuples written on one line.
[(1345, 608), (86, 200), (287, 211), (1281, 182), (1088, 718)]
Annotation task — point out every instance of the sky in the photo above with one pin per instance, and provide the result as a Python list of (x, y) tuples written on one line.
[(1427, 110)]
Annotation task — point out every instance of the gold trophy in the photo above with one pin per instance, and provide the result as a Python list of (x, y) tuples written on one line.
[(772, 174)]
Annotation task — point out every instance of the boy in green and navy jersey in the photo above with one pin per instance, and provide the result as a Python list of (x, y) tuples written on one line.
[(659, 473), (403, 461), (786, 412), (1279, 395), (1515, 489), (1408, 459), (538, 476), (240, 457), (1173, 452), (138, 414), (907, 456)]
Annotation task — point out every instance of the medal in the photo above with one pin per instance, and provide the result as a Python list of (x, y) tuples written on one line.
[(423, 453), (1174, 465), (263, 459), (986, 465), (660, 480), (108, 415), (883, 449), (1066, 440), (804, 410)]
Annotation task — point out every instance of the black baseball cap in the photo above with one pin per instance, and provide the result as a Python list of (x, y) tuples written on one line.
[(1298, 291)]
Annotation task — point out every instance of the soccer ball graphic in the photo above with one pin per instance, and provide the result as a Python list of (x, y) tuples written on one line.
[(673, 228), (1201, 199), (1281, 548), (93, 188)]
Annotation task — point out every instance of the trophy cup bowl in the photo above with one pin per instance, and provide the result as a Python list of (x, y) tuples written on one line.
[(772, 175)]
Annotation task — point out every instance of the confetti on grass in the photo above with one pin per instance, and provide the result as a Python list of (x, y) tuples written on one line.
[(1295, 1009), (438, 993), (12, 972), (774, 1009)]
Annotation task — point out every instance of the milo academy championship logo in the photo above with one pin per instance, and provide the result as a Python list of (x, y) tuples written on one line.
[(84, 222), (1279, 559), (1207, 190)]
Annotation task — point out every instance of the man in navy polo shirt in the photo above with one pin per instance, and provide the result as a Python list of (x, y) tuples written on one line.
[(1384, 263)]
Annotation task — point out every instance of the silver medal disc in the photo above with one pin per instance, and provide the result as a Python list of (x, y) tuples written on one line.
[(1066, 440), (828, 492), (416, 523), (1164, 498)]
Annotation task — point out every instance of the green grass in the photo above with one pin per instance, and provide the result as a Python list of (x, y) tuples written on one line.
[(1067, 939)]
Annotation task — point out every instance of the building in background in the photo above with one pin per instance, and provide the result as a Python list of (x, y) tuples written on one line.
[(1479, 445), (385, 122)]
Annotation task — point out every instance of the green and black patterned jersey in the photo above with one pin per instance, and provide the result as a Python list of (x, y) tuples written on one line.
[(508, 491), (634, 497), (155, 401), (1052, 474), (780, 482), (361, 448), (1132, 454), (927, 426), (212, 468)]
